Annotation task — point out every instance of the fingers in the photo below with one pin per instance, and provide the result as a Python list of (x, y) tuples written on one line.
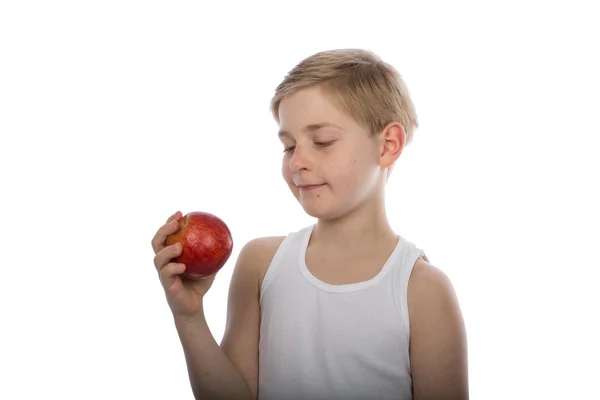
[(175, 216), (171, 226), (169, 273), (164, 256)]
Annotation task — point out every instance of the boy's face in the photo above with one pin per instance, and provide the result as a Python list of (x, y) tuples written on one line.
[(330, 162)]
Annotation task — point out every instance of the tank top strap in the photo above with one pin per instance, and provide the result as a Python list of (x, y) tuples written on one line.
[(289, 243), (401, 275)]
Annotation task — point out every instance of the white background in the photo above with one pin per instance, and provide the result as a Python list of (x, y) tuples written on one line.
[(115, 114)]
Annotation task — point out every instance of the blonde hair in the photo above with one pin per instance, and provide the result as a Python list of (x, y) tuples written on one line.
[(370, 90)]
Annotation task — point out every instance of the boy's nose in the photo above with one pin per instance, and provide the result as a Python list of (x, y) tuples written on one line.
[(299, 161)]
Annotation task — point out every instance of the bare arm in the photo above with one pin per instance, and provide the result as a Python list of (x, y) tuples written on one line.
[(240, 341), (212, 374), (438, 345), (230, 371)]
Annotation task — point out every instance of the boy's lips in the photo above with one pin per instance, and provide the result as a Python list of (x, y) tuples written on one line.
[(310, 187)]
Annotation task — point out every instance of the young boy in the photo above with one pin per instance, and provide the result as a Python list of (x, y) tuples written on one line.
[(345, 308)]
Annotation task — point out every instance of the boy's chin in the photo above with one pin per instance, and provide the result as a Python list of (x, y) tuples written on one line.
[(321, 213)]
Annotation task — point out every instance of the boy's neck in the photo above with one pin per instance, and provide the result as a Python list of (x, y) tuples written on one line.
[(364, 229)]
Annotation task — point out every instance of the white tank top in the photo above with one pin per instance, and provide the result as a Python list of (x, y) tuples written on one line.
[(322, 341)]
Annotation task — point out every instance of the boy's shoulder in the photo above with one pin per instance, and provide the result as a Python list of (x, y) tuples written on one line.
[(256, 255), (263, 247), (432, 300), (426, 280), (259, 252)]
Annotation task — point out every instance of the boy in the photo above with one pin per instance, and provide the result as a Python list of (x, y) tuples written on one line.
[(343, 309)]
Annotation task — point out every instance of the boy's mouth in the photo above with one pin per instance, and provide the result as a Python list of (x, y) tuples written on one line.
[(310, 187)]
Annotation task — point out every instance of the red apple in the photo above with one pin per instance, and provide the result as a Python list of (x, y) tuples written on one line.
[(206, 244)]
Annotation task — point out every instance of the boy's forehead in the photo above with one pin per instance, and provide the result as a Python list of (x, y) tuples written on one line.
[(311, 128), (308, 110)]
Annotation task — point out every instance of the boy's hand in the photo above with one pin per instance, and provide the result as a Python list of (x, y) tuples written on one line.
[(183, 295)]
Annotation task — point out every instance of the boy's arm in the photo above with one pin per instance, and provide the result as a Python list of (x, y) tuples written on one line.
[(438, 343), (241, 337), (229, 371)]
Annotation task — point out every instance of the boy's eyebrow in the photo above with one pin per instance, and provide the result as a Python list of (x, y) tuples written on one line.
[(311, 128)]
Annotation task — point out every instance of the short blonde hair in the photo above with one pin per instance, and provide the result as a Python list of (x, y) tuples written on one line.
[(370, 90)]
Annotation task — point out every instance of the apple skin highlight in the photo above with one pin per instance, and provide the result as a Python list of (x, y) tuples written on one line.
[(206, 244)]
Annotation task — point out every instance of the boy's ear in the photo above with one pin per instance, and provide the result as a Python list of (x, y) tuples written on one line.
[(392, 139)]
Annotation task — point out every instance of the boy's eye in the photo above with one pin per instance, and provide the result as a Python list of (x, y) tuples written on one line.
[(324, 144), (318, 144)]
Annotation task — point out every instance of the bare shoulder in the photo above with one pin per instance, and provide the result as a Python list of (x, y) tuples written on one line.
[(438, 343), (427, 280), (259, 252)]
